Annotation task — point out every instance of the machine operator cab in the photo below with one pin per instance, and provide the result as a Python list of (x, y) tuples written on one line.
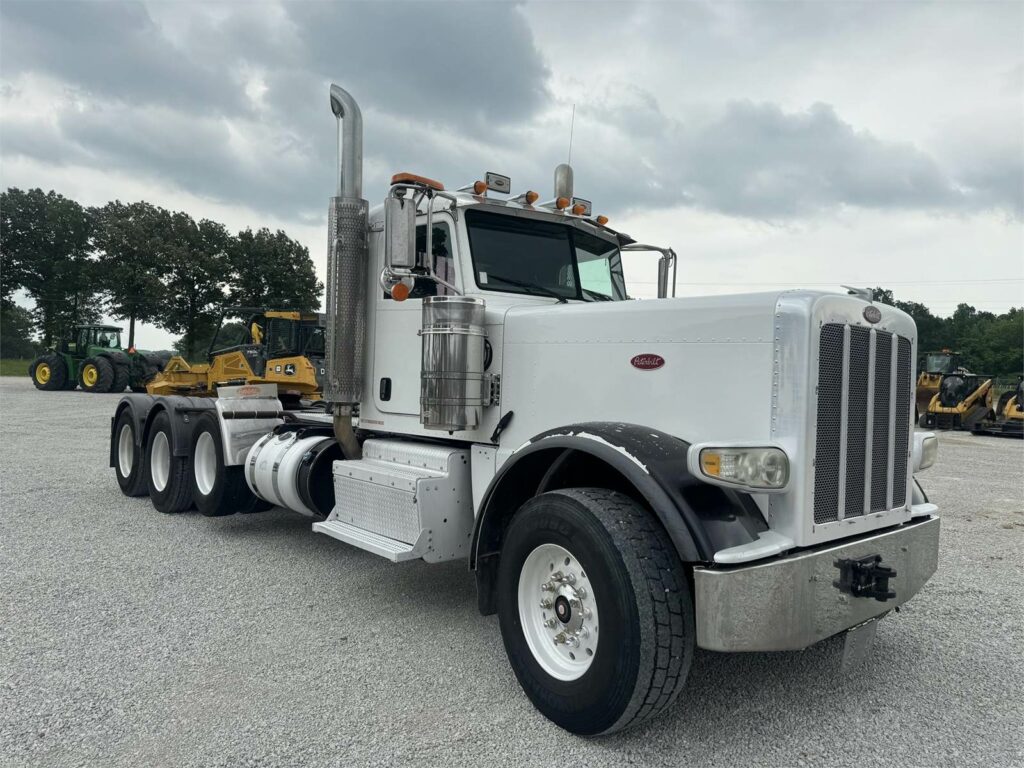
[(508, 251)]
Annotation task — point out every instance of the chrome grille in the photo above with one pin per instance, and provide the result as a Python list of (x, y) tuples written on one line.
[(863, 422)]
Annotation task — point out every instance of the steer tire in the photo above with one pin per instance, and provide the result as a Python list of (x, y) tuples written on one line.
[(167, 475), (217, 489), (643, 615), (48, 372), (96, 374), (129, 466), (122, 374)]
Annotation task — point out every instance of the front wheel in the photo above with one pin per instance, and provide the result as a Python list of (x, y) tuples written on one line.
[(595, 610), (48, 372)]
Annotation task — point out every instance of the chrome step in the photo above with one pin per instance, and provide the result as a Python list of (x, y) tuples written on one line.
[(393, 550), (404, 499)]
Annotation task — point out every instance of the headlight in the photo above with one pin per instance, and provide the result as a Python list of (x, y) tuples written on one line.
[(753, 468), (926, 448)]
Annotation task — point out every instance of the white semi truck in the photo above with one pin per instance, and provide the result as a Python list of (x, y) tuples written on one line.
[(628, 480)]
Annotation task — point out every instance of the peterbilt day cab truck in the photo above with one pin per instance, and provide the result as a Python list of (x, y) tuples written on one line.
[(495, 396)]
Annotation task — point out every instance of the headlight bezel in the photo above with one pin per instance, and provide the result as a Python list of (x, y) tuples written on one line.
[(744, 460)]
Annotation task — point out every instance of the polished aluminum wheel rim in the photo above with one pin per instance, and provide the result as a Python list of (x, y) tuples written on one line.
[(205, 464), (125, 450), (160, 461), (558, 612)]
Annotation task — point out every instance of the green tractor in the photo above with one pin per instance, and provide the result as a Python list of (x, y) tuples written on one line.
[(90, 356)]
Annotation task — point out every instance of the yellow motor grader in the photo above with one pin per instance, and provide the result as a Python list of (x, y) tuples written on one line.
[(281, 347)]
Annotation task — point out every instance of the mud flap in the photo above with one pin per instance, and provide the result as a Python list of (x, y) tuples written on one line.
[(858, 643)]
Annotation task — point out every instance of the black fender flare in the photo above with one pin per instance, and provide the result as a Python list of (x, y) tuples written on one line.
[(700, 518), (183, 412)]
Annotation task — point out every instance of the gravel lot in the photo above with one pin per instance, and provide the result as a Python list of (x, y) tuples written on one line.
[(133, 638)]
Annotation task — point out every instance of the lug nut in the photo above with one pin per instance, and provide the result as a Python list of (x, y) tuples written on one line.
[(559, 638), (572, 641), (546, 587), (570, 579), (546, 602), (550, 623), (581, 592), (557, 576)]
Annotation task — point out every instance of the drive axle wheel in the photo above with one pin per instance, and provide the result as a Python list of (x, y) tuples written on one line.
[(96, 374), (217, 489), (595, 610), (167, 475), (128, 459)]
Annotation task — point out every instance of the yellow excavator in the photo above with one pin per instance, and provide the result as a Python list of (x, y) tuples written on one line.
[(256, 346)]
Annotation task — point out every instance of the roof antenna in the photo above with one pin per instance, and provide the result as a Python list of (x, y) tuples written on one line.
[(572, 125)]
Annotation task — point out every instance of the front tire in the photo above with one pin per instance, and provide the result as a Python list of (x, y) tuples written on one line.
[(640, 627), (129, 464), (48, 373), (216, 489), (167, 475)]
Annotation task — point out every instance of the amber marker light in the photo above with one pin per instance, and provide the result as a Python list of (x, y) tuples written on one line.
[(399, 291), (602, 220), (562, 203), (479, 187), (531, 197)]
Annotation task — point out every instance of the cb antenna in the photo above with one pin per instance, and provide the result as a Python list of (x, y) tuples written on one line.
[(572, 125)]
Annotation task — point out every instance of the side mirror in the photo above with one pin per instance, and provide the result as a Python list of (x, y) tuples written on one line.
[(399, 233)]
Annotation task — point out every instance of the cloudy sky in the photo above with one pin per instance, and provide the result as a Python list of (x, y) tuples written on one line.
[(770, 143)]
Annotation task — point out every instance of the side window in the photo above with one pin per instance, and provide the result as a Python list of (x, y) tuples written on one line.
[(443, 261)]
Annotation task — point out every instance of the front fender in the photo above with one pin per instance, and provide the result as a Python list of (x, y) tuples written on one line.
[(700, 518)]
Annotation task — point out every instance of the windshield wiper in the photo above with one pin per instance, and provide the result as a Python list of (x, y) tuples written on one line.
[(536, 288), (598, 296)]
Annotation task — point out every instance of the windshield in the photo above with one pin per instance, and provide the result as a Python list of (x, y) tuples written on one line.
[(519, 255), (939, 363)]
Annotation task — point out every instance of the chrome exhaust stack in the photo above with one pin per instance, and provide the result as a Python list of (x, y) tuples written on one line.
[(347, 255)]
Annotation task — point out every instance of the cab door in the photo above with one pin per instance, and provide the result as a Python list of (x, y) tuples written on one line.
[(396, 353)]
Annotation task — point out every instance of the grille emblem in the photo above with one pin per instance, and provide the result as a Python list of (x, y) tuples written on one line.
[(872, 313), (647, 362)]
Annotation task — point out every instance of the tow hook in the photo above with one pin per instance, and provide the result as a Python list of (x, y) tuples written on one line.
[(865, 577)]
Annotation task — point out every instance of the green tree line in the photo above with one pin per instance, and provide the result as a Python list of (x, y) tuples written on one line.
[(137, 262), (990, 344)]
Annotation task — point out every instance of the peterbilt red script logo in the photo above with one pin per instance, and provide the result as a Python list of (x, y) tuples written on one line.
[(647, 362)]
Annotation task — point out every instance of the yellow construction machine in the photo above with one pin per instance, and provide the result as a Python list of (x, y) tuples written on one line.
[(1008, 417), (256, 346), (958, 398)]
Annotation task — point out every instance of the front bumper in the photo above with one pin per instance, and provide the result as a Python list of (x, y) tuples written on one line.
[(790, 603)]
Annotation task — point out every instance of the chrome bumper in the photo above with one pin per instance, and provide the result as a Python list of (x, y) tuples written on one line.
[(790, 603)]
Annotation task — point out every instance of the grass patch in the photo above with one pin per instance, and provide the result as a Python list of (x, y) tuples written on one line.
[(14, 367)]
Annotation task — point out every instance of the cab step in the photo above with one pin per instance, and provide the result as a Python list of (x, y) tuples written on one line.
[(404, 500)]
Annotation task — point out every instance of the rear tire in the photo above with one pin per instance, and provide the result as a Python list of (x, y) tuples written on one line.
[(96, 374), (129, 465), (217, 489), (633, 582), (121, 376), (48, 372), (167, 475)]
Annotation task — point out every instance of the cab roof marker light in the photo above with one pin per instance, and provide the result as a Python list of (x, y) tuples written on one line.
[(585, 206), (412, 178), (529, 197)]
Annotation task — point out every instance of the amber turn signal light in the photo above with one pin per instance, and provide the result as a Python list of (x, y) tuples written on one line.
[(562, 203), (399, 291)]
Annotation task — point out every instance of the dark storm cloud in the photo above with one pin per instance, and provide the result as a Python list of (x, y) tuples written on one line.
[(448, 90)]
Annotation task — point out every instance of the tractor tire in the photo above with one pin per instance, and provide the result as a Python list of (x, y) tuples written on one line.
[(96, 374), (139, 384), (595, 610), (48, 372), (167, 475), (129, 464), (217, 489), (122, 373)]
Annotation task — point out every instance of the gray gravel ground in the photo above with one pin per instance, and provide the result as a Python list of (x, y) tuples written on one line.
[(128, 637)]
